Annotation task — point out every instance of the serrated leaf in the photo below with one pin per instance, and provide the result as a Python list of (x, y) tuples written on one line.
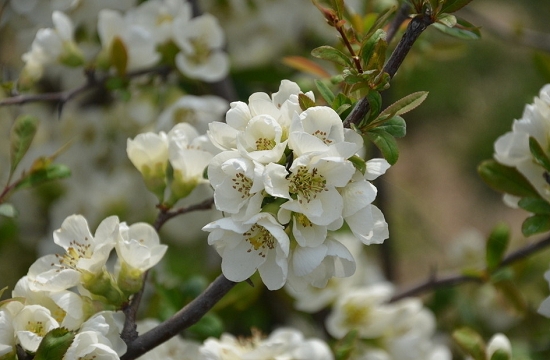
[(396, 126), (513, 295), (496, 246), (305, 102), (447, 20), (305, 65), (334, 55), (54, 344), (21, 136), (403, 105), (535, 205), (535, 224), (325, 91), (462, 30), (386, 143), (538, 153), (506, 179), (119, 55), (8, 210), (40, 175), (471, 342), (451, 6), (358, 163)]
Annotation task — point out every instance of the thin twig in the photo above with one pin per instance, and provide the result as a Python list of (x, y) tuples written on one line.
[(451, 280), (165, 216), (184, 318), (417, 25)]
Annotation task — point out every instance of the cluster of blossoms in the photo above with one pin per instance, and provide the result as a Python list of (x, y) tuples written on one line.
[(154, 32), (44, 300), (284, 181)]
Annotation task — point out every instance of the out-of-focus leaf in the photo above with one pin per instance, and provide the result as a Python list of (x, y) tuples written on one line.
[(535, 224), (325, 91), (8, 210), (396, 126), (535, 205), (471, 342), (451, 6), (329, 53), (343, 350), (447, 20), (386, 143), (506, 179), (500, 354), (538, 153), (513, 295), (40, 175), (305, 102), (21, 136), (496, 246), (462, 30), (210, 325), (303, 64), (542, 64), (381, 20), (119, 56), (54, 344)]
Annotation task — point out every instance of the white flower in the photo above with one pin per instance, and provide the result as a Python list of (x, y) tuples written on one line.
[(174, 349), (259, 243), (31, 324), (90, 345), (200, 40), (261, 140), (197, 111), (138, 41), (498, 342), (7, 332), (85, 255), (544, 308), (512, 149), (106, 325)]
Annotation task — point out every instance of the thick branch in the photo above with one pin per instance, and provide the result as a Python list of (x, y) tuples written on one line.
[(451, 280), (184, 318), (417, 25), (400, 17)]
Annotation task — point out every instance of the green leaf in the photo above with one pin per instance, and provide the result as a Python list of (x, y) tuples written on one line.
[(462, 30), (396, 126), (329, 53), (496, 246), (381, 20), (54, 344), (373, 51), (340, 100), (513, 295), (375, 101), (386, 143), (325, 91), (403, 105), (343, 350), (447, 20), (119, 55), (535, 205), (342, 109), (359, 163), (542, 64), (305, 102), (506, 179), (210, 325), (40, 175), (535, 224), (8, 210), (538, 153), (500, 354), (471, 342), (21, 136), (451, 6)]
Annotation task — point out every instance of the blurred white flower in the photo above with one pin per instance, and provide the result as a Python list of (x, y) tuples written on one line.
[(176, 348), (498, 342), (197, 111)]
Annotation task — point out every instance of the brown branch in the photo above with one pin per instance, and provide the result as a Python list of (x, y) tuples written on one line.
[(184, 318), (400, 17), (164, 216), (417, 25), (451, 280)]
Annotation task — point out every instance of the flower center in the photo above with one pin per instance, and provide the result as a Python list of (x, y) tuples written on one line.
[(260, 238), (264, 144), (36, 327), (356, 315), (75, 251), (202, 51), (306, 184), (303, 220), (323, 136), (242, 184)]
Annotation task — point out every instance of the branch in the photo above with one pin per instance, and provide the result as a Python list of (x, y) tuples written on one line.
[(400, 17), (165, 216), (184, 318), (417, 25), (451, 280)]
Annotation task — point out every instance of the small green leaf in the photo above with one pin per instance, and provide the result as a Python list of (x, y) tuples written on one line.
[(375, 101), (373, 50), (359, 163), (500, 354), (329, 53), (325, 91), (403, 105), (396, 126), (54, 344), (305, 102), (386, 143), (210, 325), (8, 210), (340, 100), (506, 179), (451, 6), (21, 136), (462, 30), (535, 224), (513, 295), (496, 246), (342, 109), (40, 175), (538, 153), (119, 56), (535, 205), (471, 342), (447, 20), (344, 348)]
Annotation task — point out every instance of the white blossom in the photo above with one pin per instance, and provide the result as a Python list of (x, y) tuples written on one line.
[(197, 111), (31, 324)]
